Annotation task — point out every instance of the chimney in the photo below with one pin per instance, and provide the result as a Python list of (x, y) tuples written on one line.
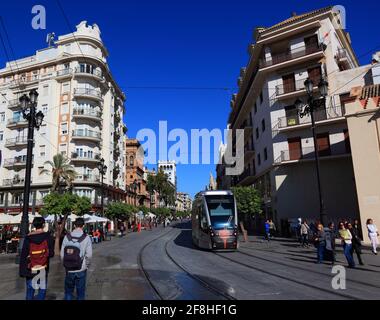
[(294, 14)]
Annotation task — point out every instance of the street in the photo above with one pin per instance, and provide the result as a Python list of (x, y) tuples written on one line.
[(163, 264)]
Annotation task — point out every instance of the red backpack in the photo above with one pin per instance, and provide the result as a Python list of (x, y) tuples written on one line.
[(38, 254)]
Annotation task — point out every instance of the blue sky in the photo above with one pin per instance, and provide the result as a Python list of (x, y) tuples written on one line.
[(197, 44)]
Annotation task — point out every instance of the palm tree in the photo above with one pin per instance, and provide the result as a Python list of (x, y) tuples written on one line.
[(61, 170)]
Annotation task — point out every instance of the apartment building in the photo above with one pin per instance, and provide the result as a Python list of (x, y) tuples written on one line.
[(83, 108), (278, 141), (137, 193), (170, 169), (183, 201)]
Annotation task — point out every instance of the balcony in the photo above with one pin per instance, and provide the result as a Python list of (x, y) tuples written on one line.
[(15, 162), (23, 81), (64, 74), (342, 59), (298, 53), (87, 178), (88, 93), (79, 113), (15, 182), (16, 142), (83, 72), (14, 104), (246, 177), (294, 89), (297, 155), (84, 134), (85, 157), (17, 123), (322, 116)]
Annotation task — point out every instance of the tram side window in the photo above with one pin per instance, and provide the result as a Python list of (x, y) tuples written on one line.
[(203, 218)]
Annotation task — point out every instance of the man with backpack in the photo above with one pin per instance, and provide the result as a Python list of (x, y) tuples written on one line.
[(36, 251), (76, 253)]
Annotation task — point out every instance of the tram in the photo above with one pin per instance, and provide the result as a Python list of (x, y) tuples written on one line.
[(214, 220)]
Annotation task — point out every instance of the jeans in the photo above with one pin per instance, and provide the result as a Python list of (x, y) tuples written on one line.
[(347, 252), (305, 240), (30, 291), (320, 252), (75, 280)]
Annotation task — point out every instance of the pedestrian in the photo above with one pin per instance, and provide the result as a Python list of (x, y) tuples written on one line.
[(320, 243), (36, 252), (330, 236), (272, 228), (267, 230), (76, 253), (358, 228), (373, 234), (305, 233), (298, 230), (346, 238), (356, 243)]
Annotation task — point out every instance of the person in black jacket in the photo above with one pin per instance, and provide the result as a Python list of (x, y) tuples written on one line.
[(38, 246), (356, 243)]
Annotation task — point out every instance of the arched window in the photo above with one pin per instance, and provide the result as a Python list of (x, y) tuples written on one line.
[(131, 161)]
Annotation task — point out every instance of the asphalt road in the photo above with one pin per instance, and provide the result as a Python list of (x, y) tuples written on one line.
[(163, 264)]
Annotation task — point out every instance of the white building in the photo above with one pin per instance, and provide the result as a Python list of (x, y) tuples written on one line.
[(83, 108), (183, 201), (279, 149), (170, 169)]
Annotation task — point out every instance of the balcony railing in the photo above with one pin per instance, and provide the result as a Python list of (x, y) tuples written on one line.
[(319, 115), (17, 121), (87, 178), (16, 141), (308, 153), (13, 182), (87, 92), (14, 162), (290, 55), (14, 103), (25, 80), (64, 72), (87, 112), (86, 133), (96, 73), (293, 86), (85, 156), (342, 54)]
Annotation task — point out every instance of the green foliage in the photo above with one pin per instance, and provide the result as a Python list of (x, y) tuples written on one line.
[(144, 209), (64, 204), (161, 184), (248, 200), (161, 212), (120, 210)]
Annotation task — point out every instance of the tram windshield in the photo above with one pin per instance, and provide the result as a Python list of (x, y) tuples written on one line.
[(222, 211)]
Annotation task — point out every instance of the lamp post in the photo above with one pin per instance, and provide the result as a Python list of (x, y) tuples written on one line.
[(312, 105), (102, 171), (28, 104)]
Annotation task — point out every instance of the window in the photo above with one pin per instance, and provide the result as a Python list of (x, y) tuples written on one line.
[(2, 198), (255, 107), (2, 117), (65, 87), (347, 141), (65, 108), (42, 151), (265, 154), (63, 148), (257, 133), (259, 159), (131, 161), (64, 128), (43, 129), (44, 109), (263, 125), (45, 90), (261, 97), (1, 135)]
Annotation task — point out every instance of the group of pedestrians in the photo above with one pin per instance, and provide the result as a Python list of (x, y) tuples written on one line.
[(350, 234), (38, 248), (270, 229)]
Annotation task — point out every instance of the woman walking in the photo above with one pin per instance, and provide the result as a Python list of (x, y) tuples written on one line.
[(320, 243), (305, 233), (373, 234), (356, 243), (346, 238)]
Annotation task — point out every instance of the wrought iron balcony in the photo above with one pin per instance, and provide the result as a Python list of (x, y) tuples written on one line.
[(87, 93)]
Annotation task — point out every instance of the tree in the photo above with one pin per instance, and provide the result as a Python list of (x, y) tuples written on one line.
[(151, 187), (119, 210), (61, 171), (61, 206)]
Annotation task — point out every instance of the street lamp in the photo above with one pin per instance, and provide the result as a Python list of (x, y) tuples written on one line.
[(28, 104), (102, 170), (312, 105)]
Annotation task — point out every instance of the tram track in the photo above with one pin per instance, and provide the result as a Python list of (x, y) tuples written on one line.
[(205, 284), (299, 282), (298, 267)]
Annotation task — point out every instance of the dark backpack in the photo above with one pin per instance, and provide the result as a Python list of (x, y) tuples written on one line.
[(72, 257), (38, 254)]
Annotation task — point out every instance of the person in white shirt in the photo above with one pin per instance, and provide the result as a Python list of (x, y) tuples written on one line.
[(373, 234)]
